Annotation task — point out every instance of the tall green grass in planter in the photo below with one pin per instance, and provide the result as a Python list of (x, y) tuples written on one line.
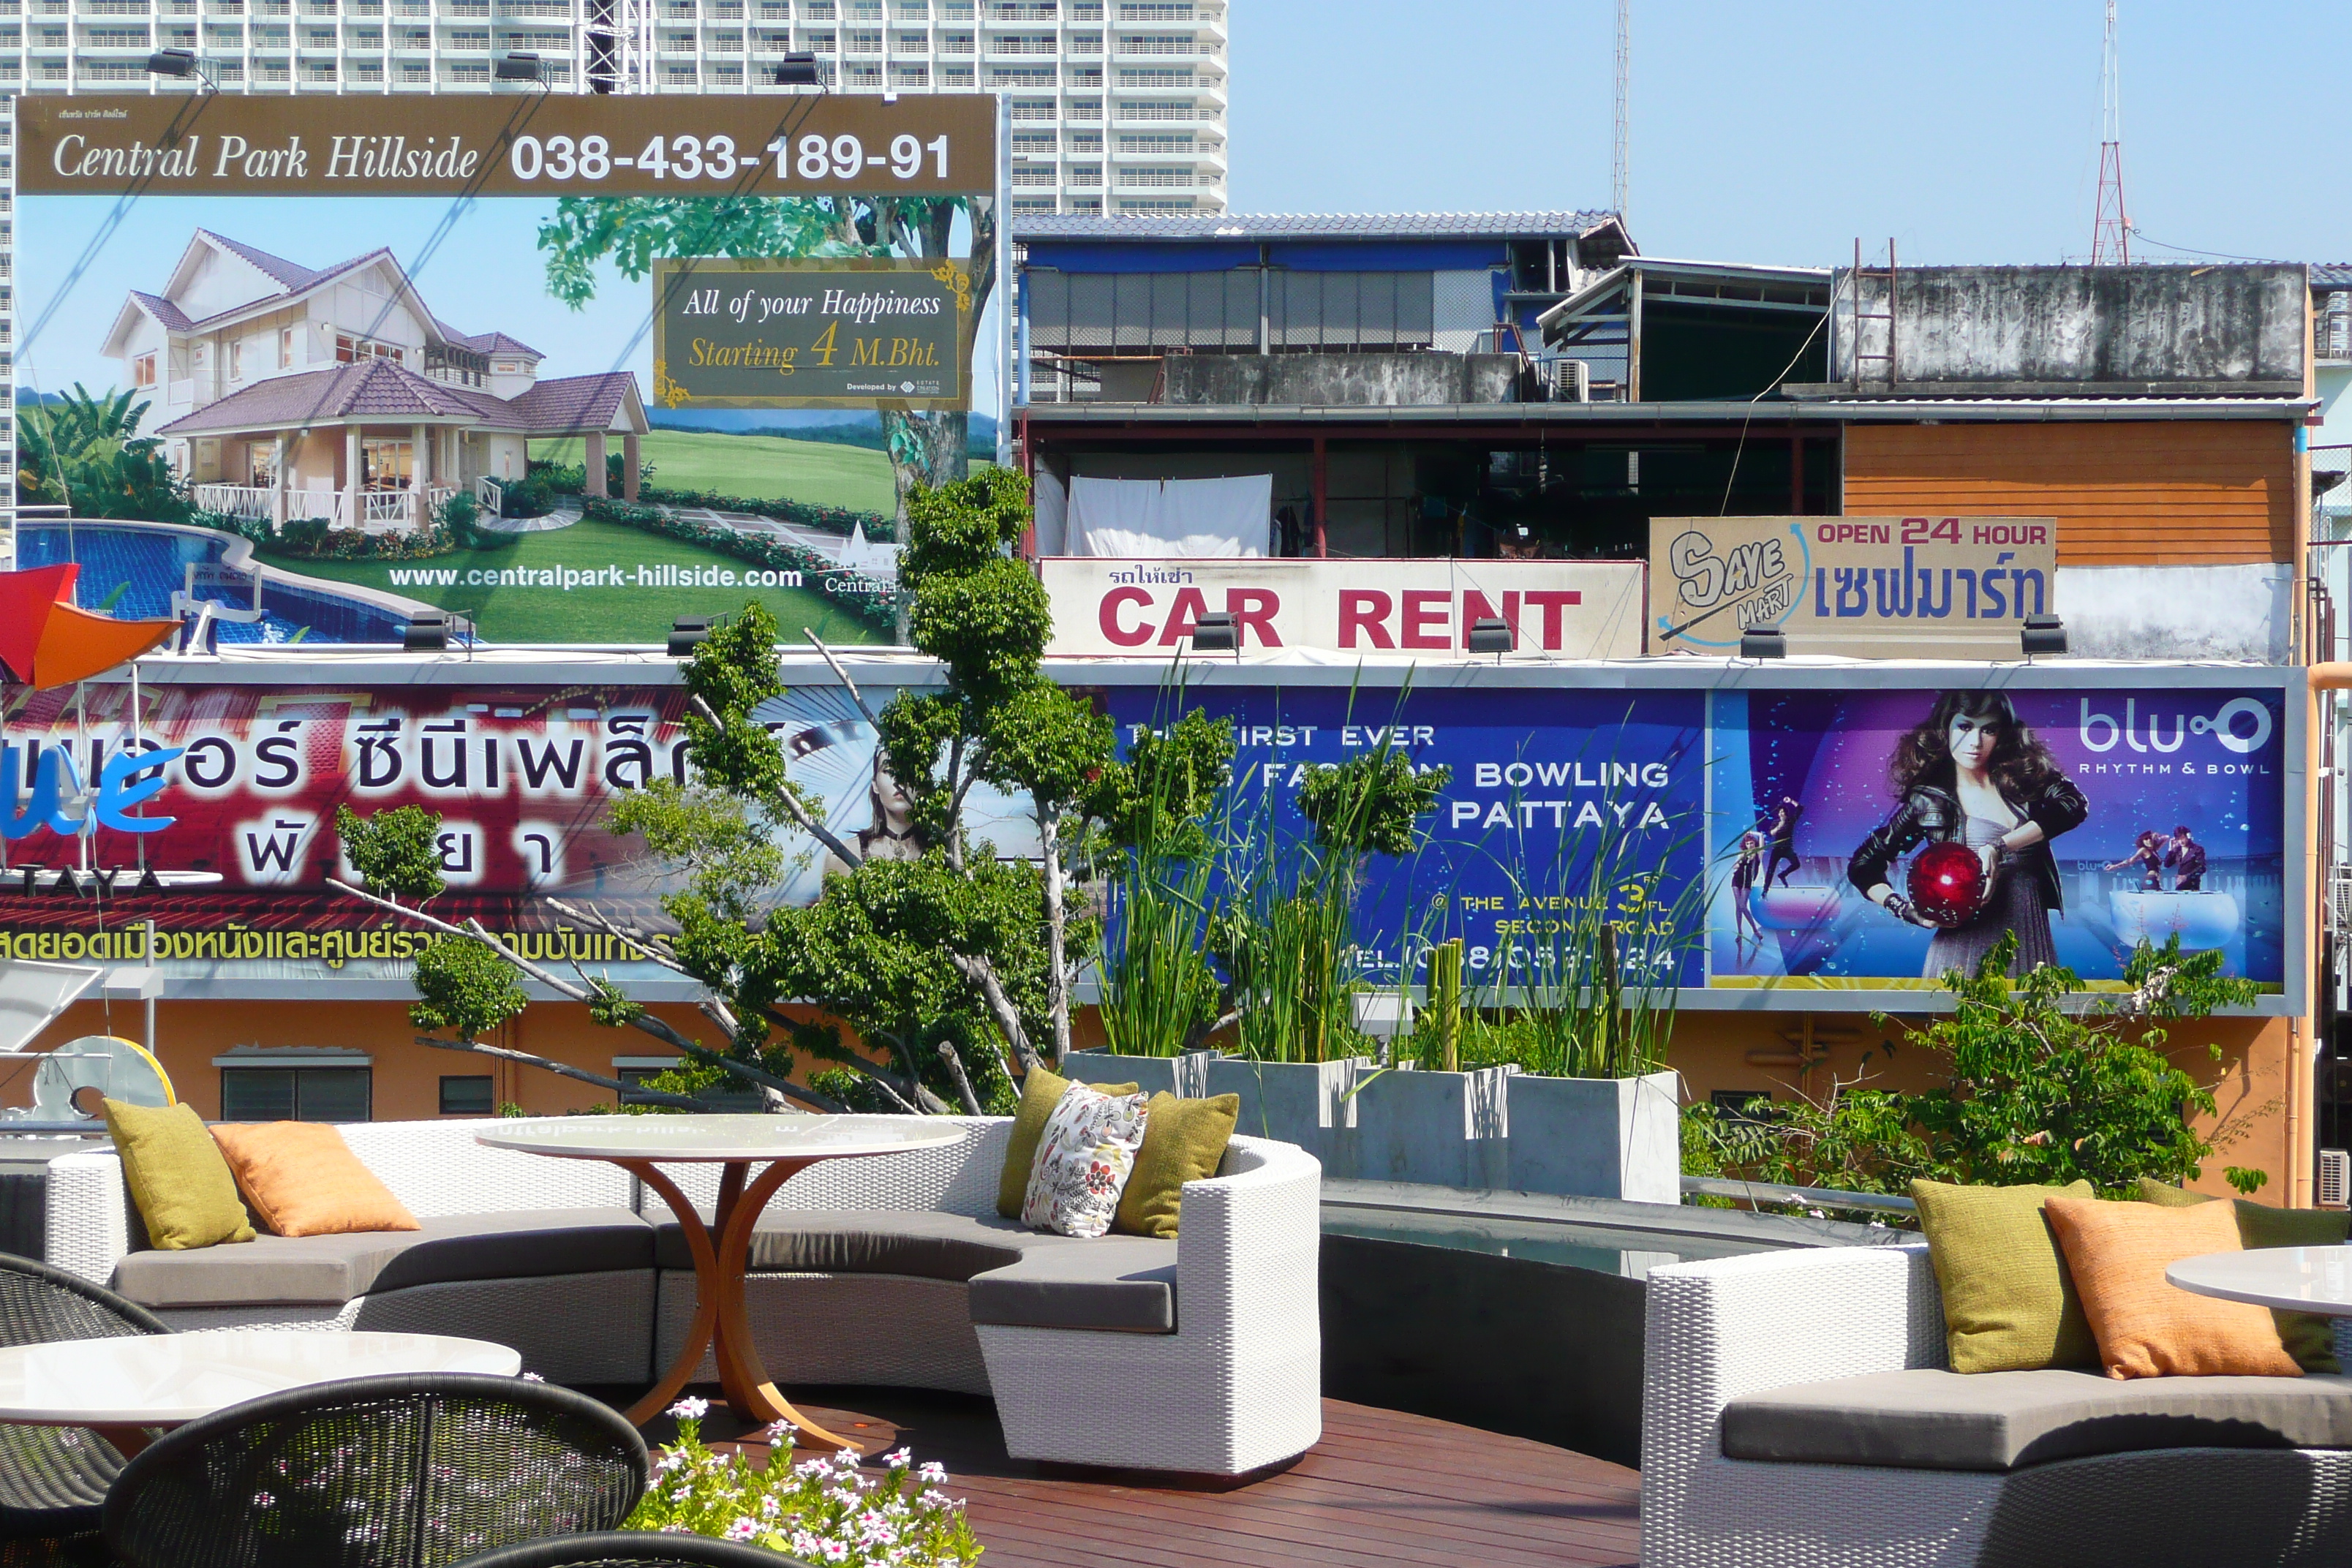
[(1286, 936), (1161, 995)]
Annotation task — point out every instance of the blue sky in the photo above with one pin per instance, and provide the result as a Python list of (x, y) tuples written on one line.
[(1779, 131)]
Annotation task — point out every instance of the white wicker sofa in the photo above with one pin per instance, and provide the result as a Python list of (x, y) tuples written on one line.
[(1796, 1412), (1201, 1355)]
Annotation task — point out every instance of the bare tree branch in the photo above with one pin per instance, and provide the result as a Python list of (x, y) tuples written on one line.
[(963, 1080), (548, 1064), (983, 973), (641, 1020), (925, 1102), (789, 798), (843, 674), (1049, 834)]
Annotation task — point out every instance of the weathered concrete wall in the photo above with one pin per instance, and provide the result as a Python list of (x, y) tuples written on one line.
[(2081, 329), (1342, 381)]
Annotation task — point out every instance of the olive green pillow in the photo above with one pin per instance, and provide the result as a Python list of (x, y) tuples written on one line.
[(178, 1177), (2309, 1338), (2008, 1303), (1183, 1140), (1040, 1092)]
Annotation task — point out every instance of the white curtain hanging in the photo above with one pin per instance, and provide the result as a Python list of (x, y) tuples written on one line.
[(1230, 517)]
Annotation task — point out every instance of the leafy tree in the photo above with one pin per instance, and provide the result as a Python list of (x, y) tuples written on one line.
[(927, 448), (86, 453), (935, 951), (2034, 1090)]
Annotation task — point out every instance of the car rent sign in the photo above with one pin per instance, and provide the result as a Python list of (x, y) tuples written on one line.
[(1148, 608)]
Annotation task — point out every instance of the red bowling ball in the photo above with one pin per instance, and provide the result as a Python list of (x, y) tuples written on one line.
[(1948, 885)]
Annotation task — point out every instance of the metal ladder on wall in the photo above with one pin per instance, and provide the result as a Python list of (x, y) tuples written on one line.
[(1887, 316)]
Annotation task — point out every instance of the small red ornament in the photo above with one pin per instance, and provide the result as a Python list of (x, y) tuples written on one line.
[(1948, 885)]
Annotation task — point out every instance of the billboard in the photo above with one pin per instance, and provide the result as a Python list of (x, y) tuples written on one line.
[(567, 367), (1866, 588), (1760, 819), (232, 791), (1567, 609)]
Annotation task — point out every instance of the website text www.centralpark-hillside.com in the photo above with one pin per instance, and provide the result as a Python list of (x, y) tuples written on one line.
[(567, 578)]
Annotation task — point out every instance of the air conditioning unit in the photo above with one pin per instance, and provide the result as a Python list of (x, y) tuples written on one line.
[(2334, 1189)]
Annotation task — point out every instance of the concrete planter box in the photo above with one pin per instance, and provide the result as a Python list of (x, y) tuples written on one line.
[(1594, 1138), (1185, 1076), (1304, 1103), (1442, 1128)]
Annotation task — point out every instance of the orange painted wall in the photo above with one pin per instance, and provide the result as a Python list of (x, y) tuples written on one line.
[(2178, 492)]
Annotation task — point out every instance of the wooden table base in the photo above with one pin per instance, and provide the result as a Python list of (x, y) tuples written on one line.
[(719, 1305)]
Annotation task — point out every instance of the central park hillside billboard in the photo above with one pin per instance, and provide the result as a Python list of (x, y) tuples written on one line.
[(1766, 815), (567, 366)]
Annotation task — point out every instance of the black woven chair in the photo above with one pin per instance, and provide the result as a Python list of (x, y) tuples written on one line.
[(418, 1471), (52, 1480), (633, 1549)]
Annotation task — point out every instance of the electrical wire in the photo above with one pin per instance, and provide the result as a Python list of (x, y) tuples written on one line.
[(1733, 478), (2145, 239)]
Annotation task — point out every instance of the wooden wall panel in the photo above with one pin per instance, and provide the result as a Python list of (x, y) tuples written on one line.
[(2125, 494)]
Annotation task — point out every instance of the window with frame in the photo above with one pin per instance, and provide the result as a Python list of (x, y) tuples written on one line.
[(236, 359), (142, 370), (297, 1093), (285, 348), (467, 1094)]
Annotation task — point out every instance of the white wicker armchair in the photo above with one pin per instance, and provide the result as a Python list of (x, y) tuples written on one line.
[(1723, 1329)]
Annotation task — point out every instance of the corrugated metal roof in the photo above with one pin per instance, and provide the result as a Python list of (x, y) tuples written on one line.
[(2331, 274), (1033, 228)]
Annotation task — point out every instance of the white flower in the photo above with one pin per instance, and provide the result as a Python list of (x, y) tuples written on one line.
[(690, 1409), (742, 1530), (532, 1377), (834, 1552), (779, 1431), (932, 1472), (898, 1458)]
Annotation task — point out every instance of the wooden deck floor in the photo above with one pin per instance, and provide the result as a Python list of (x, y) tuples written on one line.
[(1382, 1491)]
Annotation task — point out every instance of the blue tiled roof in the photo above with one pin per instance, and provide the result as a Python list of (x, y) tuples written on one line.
[(1030, 228)]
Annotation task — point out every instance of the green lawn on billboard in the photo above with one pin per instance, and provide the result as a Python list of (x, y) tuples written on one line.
[(767, 468), (631, 615)]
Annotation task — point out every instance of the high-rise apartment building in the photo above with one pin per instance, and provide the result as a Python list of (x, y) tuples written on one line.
[(1117, 105)]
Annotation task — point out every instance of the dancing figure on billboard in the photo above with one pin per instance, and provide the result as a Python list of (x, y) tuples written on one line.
[(2147, 852), (1783, 831), (1744, 872), (1971, 775), (2187, 858)]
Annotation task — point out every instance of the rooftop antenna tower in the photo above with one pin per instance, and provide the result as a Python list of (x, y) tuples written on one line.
[(1624, 66), (2110, 225)]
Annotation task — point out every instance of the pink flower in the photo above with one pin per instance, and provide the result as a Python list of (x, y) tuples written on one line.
[(690, 1409)]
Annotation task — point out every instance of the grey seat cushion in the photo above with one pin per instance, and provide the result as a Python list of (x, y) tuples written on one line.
[(925, 1243), (1125, 1283), (1930, 1419), (312, 1269), (1021, 1278)]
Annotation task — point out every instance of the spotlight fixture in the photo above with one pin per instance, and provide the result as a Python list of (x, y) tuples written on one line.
[(426, 634), (1763, 642), (799, 69), (182, 63), (2042, 633), (687, 633), (519, 66), (1214, 631), (1490, 634)]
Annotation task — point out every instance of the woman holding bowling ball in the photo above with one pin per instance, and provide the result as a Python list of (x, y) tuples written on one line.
[(1969, 775)]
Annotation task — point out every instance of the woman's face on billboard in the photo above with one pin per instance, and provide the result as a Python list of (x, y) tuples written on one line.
[(1971, 741)]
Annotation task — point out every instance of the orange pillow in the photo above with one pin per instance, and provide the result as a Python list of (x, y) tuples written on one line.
[(2117, 1252), (301, 1179)]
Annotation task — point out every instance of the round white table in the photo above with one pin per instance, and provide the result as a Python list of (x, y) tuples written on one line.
[(786, 1145), (2315, 1279), (121, 1385)]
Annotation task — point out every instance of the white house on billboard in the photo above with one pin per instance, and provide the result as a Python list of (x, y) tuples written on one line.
[(283, 391)]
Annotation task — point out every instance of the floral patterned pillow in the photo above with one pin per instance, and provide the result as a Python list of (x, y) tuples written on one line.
[(1084, 1159)]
